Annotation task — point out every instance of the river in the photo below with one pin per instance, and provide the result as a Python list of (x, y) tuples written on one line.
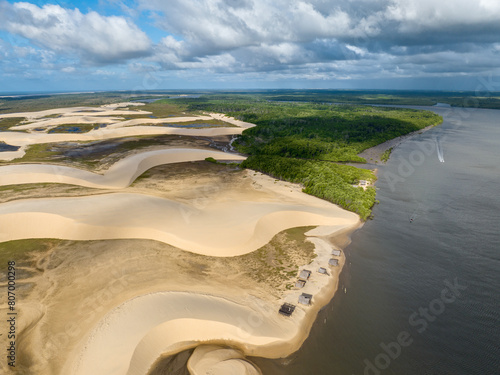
[(422, 280)]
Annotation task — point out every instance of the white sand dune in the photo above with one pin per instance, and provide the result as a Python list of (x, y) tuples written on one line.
[(24, 140), (217, 360), (114, 122), (108, 108), (167, 120), (52, 122), (116, 127), (134, 335), (119, 175), (220, 228)]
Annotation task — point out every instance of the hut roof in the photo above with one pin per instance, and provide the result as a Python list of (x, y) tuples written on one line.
[(300, 283), (333, 262), (336, 252), (305, 299), (287, 309), (304, 274), (322, 270)]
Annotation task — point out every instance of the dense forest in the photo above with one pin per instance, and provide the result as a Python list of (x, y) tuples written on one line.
[(305, 142)]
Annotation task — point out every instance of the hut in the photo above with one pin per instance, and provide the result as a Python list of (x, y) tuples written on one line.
[(300, 284), (287, 309), (304, 275), (333, 262), (323, 271), (336, 253), (305, 299)]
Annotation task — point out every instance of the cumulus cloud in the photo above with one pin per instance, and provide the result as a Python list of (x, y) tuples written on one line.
[(313, 35), (270, 40), (95, 38)]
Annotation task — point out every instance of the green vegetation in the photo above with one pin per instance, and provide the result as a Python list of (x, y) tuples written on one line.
[(470, 99), (299, 142), (19, 250), (211, 160), (74, 128), (315, 131), (8, 122), (385, 156), (162, 108), (329, 181), (198, 124), (278, 261), (301, 136)]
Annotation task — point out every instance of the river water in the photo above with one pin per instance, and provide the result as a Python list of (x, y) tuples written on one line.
[(437, 225)]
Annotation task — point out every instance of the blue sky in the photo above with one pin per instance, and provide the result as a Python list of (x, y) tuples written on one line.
[(175, 44)]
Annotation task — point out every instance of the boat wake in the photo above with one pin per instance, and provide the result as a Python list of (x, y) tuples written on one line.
[(439, 150)]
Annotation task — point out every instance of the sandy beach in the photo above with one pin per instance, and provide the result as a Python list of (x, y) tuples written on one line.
[(223, 226), (242, 210), (158, 304)]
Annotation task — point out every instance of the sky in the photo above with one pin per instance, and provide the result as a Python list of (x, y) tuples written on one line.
[(248, 44)]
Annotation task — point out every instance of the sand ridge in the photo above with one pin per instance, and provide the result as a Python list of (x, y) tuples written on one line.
[(116, 127), (118, 176), (220, 228)]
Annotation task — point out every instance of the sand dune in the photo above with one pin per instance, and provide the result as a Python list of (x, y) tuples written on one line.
[(217, 360), (27, 139), (70, 110), (134, 335), (118, 176), (139, 331), (225, 228), (114, 122), (52, 122), (116, 129)]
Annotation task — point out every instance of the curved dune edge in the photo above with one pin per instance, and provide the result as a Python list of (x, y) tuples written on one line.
[(134, 335), (218, 360), (132, 338), (227, 228), (118, 176), (72, 110), (112, 122), (116, 127), (24, 140)]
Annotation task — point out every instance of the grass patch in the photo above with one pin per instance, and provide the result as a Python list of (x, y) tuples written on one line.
[(19, 250), (162, 108), (8, 122), (279, 261), (385, 156), (74, 128)]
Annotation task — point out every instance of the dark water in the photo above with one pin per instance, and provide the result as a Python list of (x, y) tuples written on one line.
[(394, 267), (6, 147)]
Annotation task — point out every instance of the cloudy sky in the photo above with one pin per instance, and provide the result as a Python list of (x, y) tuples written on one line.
[(163, 44)]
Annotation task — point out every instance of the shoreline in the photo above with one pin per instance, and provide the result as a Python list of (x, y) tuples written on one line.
[(249, 325), (373, 154), (144, 325)]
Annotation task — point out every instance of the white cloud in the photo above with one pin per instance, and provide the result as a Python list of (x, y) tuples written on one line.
[(280, 39), (418, 15), (95, 38)]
